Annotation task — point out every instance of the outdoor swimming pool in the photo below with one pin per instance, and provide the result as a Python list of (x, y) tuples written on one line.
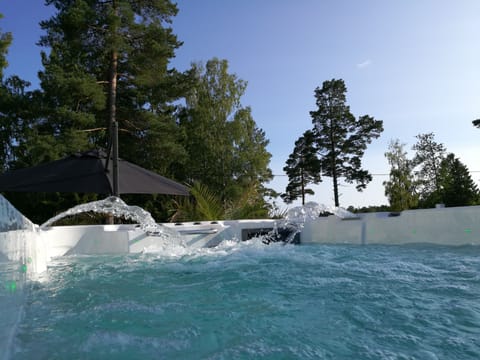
[(253, 301)]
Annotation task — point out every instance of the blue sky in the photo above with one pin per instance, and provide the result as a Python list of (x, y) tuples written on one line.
[(415, 64)]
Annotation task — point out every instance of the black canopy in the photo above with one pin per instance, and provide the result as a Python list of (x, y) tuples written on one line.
[(87, 173)]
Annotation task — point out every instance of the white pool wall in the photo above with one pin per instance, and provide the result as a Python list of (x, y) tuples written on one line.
[(441, 226), (20, 240), (22, 256)]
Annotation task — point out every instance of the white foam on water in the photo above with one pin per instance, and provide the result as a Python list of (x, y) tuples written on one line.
[(228, 250), (294, 222), (119, 342)]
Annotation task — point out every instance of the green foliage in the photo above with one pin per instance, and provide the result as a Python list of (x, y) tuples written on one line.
[(400, 188), (342, 139), (205, 204), (438, 179), (428, 157), (111, 58), (248, 206), (226, 151), (369, 209), (14, 105), (17, 106), (82, 37), (5, 42), (7, 127), (456, 185), (302, 168), (276, 212), (71, 111)]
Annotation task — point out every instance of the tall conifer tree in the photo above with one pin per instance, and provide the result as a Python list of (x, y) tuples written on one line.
[(16, 104), (5, 124), (5, 41), (342, 139), (302, 168), (457, 187), (108, 60), (105, 60)]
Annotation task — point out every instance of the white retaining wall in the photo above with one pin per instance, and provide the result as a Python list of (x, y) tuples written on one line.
[(20, 240), (443, 226), (22, 254)]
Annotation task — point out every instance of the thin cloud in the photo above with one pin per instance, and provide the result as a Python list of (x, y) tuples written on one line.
[(364, 64)]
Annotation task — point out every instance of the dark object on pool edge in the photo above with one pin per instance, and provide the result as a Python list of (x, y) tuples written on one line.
[(88, 172), (325, 214), (286, 234)]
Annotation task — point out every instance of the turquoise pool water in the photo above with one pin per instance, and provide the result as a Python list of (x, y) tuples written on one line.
[(252, 301)]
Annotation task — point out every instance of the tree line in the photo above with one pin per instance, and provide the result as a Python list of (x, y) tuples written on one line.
[(431, 177), (106, 61), (334, 148)]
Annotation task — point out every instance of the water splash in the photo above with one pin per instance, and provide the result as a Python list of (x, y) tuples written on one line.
[(118, 208), (312, 210), (296, 218), (12, 219)]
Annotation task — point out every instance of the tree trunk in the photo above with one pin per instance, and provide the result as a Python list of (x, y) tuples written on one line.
[(335, 187), (112, 119), (112, 110), (303, 188), (334, 165), (113, 105)]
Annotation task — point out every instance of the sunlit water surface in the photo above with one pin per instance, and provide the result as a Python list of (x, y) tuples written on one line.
[(253, 301)]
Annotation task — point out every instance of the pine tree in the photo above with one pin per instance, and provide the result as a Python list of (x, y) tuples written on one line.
[(456, 185), (5, 123), (16, 108), (105, 61), (302, 168), (108, 60), (5, 42), (342, 139)]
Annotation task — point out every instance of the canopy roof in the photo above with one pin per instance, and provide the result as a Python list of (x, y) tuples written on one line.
[(87, 173)]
